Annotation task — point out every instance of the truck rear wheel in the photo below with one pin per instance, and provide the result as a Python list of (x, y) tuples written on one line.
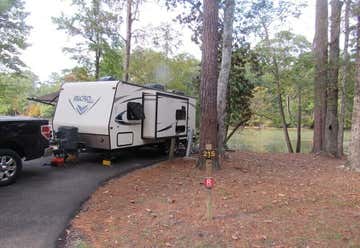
[(10, 166)]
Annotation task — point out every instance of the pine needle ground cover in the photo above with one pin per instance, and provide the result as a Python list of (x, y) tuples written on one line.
[(260, 200)]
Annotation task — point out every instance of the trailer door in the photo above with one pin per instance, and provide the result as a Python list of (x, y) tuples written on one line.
[(171, 117)]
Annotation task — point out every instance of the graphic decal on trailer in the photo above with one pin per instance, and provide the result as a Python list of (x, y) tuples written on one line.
[(83, 104), (165, 128), (119, 119)]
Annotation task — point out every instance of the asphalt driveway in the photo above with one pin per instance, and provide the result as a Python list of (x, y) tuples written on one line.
[(35, 210)]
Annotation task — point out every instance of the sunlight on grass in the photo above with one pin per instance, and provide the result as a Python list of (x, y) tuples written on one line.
[(272, 140)]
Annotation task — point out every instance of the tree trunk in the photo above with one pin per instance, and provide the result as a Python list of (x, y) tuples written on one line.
[(298, 131), (96, 10), (97, 63), (276, 72), (209, 75), (129, 20), (332, 124), (223, 79), (288, 106), (240, 124), (344, 81), (227, 119), (320, 50), (282, 113), (354, 157), (288, 103)]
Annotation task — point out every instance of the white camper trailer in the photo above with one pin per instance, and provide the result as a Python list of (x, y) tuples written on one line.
[(111, 115)]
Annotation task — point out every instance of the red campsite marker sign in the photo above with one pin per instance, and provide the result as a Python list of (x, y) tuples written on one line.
[(209, 182)]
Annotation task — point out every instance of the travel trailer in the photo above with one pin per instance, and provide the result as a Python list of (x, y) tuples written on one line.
[(110, 115)]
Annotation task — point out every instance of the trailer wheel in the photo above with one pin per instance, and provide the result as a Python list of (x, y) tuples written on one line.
[(10, 166), (181, 147), (164, 147)]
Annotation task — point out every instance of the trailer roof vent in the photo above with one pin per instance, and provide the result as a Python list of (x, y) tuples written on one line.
[(155, 86), (178, 92), (107, 78)]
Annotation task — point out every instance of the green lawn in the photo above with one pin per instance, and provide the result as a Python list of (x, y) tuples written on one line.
[(272, 140)]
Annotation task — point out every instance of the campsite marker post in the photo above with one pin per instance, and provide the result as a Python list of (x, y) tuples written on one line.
[(209, 154), (172, 148)]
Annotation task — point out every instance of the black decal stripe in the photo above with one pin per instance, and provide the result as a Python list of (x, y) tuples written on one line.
[(119, 98), (149, 94), (131, 99), (127, 123), (119, 117), (119, 120), (165, 128)]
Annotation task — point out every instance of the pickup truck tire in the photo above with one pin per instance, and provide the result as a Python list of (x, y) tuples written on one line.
[(10, 166)]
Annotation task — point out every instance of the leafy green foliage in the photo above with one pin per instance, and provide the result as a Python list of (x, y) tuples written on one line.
[(190, 15), (267, 12), (295, 63), (162, 37), (76, 74), (95, 28), (13, 34), (241, 86), (148, 66), (14, 88), (110, 65)]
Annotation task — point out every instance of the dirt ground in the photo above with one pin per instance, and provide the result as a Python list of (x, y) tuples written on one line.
[(260, 200)]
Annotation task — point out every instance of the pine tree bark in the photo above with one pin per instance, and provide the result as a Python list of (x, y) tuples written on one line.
[(320, 50), (223, 79), (129, 21), (354, 157), (332, 124), (209, 76), (344, 84)]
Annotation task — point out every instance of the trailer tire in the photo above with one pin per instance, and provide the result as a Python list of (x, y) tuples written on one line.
[(181, 147), (10, 166), (164, 147)]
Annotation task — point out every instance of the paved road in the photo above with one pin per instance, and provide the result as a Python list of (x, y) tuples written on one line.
[(35, 210)]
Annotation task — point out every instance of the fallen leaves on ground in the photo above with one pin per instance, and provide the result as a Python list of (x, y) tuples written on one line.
[(260, 200)]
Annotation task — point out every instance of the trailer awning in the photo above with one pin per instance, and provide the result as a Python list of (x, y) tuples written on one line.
[(50, 99)]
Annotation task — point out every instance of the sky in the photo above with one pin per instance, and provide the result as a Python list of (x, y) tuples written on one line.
[(45, 55)]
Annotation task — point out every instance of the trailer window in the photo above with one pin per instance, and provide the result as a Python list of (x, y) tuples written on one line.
[(180, 129), (135, 111), (181, 113)]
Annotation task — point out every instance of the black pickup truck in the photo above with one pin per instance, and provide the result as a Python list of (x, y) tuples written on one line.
[(20, 138)]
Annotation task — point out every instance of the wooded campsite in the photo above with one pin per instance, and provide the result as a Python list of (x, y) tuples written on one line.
[(278, 77), (277, 116)]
